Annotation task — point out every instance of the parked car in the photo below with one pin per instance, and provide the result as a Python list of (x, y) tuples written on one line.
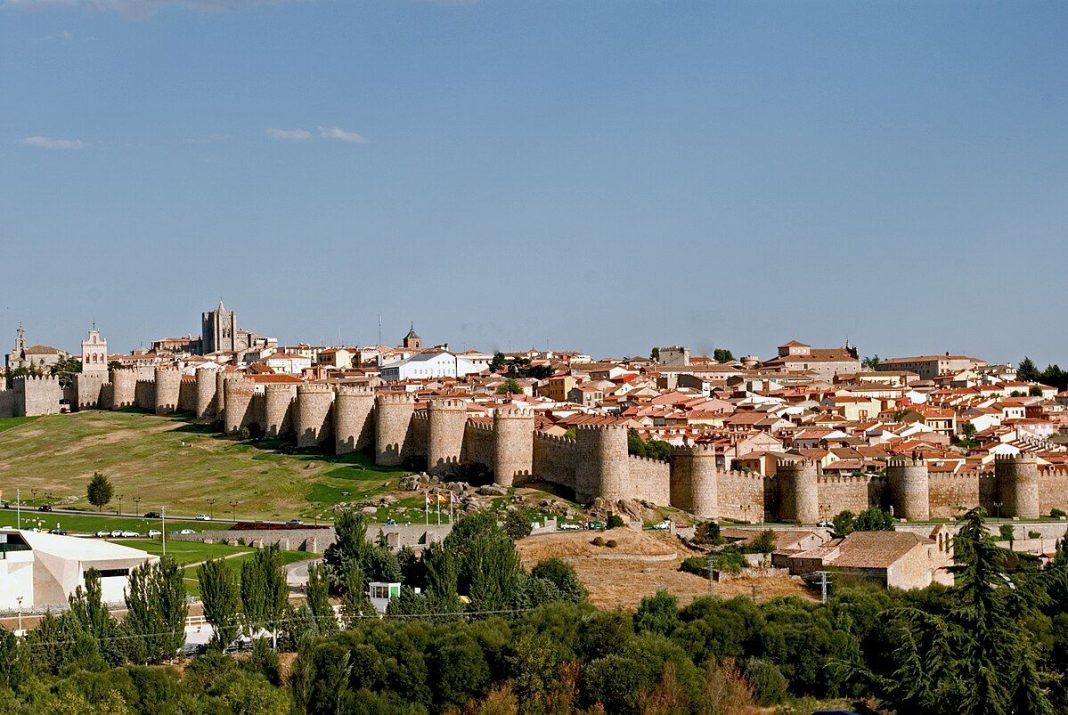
[(45, 507), (569, 527), (153, 533), (662, 525), (152, 515), (58, 532), (595, 525), (116, 534), (103, 534), (825, 524), (291, 522), (185, 532), (203, 517), (130, 534)]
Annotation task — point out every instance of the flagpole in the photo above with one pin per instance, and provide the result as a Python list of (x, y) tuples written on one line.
[(18, 509)]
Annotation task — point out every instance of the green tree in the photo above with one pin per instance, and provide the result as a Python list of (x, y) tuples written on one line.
[(517, 523), (510, 386), (221, 596), (871, 362), (967, 435), (722, 355), (657, 614), (873, 519), (99, 491), (654, 354), (318, 599), (843, 523), (562, 575), (1027, 371), (264, 593), (498, 361), (156, 610), (65, 369)]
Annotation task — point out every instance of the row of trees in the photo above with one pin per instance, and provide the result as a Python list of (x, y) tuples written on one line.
[(1053, 375), (994, 644)]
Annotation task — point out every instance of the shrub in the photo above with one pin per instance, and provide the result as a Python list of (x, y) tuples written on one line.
[(708, 533), (615, 521), (695, 564), (1057, 513), (598, 541), (768, 683), (728, 561), (611, 543), (1034, 535)]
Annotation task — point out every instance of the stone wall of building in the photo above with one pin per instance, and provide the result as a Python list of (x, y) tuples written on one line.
[(513, 446), (949, 494), (277, 410), (7, 402), (312, 417), (205, 392), (445, 436), (555, 459), (187, 394), (910, 489), (87, 389), (237, 400), (168, 385), (838, 493), (123, 389), (694, 481), (478, 443), (742, 496), (393, 418), (35, 396), (354, 429), (648, 479), (145, 395)]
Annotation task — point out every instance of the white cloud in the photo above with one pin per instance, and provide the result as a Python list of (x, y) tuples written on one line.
[(291, 135), (139, 8), (341, 135), (50, 143)]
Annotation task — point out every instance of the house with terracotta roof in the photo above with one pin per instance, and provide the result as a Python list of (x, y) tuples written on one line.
[(894, 559)]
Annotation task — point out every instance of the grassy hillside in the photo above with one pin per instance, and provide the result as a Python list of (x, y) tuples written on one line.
[(164, 460)]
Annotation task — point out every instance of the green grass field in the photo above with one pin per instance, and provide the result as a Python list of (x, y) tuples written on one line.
[(191, 554), (168, 460), (92, 523)]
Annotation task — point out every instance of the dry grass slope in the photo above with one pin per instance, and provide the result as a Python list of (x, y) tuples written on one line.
[(165, 460)]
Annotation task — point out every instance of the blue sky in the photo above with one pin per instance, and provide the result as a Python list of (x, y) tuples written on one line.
[(595, 175)]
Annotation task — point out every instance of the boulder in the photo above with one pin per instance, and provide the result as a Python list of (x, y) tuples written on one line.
[(493, 490)]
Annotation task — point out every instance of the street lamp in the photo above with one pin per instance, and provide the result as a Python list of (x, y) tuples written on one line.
[(233, 511), (19, 599), (137, 504), (211, 508), (120, 505), (997, 509)]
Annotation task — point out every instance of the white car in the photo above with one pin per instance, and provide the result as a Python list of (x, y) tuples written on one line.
[(203, 517), (662, 525), (185, 532), (117, 534), (103, 534), (153, 533), (569, 527), (130, 534)]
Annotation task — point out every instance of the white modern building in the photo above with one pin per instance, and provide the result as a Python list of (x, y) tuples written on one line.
[(428, 365), (44, 569)]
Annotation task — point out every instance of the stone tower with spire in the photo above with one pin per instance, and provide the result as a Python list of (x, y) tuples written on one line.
[(218, 330), (411, 340)]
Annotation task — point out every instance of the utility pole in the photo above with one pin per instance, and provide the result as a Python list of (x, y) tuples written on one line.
[(823, 586), (18, 509), (211, 508), (711, 583), (163, 528)]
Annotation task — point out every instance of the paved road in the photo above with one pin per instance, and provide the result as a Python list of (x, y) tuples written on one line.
[(297, 573)]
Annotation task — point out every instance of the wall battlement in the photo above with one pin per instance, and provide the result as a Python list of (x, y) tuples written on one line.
[(594, 464)]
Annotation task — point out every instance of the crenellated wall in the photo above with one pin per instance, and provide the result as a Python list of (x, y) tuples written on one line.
[(88, 387), (445, 436), (595, 464), (34, 396), (513, 447), (206, 384), (312, 421), (393, 419), (354, 428), (168, 385)]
